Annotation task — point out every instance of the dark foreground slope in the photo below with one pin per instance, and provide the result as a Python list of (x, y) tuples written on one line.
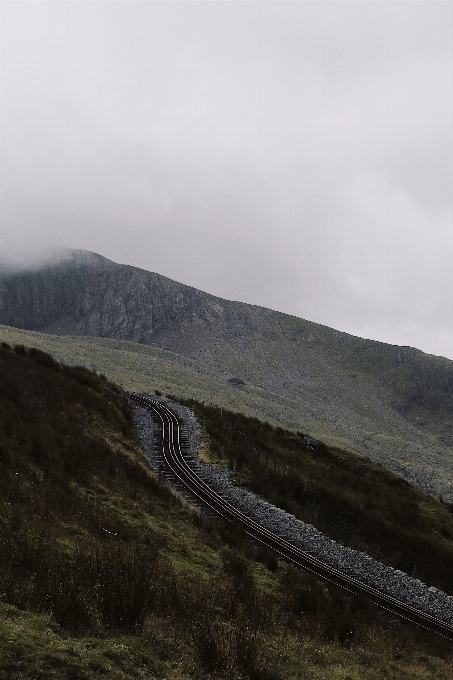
[(394, 404), (103, 571)]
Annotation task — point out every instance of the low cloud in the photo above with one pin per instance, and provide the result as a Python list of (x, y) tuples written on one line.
[(292, 155)]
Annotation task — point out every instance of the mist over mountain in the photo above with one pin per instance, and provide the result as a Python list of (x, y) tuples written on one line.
[(394, 404)]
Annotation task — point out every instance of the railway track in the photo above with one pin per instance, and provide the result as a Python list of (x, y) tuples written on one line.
[(185, 478)]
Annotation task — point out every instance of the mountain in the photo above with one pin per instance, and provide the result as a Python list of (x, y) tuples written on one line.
[(393, 404)]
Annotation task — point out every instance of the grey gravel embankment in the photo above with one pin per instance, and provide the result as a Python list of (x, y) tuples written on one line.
[(352, 562)]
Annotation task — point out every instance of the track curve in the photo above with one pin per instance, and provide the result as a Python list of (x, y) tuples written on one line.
[(174, 459)]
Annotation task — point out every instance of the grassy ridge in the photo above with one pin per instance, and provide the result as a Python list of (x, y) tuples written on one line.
[(351, 499), (331, 409), (103, 570)]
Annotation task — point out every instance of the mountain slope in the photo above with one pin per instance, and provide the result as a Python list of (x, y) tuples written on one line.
[(391, 403), (104, 571)]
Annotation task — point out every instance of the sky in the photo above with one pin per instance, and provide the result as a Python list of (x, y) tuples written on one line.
[(292, 154)]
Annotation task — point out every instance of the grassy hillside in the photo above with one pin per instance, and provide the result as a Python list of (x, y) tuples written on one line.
[(351, 499), (344, 406), (104, 571)]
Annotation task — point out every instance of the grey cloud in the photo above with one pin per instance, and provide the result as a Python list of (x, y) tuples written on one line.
[(290, 154)]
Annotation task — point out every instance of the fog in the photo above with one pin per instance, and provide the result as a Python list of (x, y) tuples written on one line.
[(295, 155)]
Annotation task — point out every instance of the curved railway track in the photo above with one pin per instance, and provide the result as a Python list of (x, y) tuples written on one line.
[(174, 459)]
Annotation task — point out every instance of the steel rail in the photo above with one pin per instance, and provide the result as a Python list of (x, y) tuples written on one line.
[(174, 459)]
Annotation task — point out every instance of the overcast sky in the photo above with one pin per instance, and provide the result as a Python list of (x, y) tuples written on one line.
[(296, 155)]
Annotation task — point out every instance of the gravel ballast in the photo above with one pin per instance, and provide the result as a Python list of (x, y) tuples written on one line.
[(351, 562)]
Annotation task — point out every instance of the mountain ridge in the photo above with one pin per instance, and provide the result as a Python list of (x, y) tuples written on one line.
[(391, 403)]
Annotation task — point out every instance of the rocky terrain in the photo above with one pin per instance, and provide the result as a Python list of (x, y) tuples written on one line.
[(393, 404)]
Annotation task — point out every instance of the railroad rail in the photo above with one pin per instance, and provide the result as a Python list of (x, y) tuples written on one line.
[(174, 459)]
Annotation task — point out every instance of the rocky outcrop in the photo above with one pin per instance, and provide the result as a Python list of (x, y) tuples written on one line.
[(88, 295)]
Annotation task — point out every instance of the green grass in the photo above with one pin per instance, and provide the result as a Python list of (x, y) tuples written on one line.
[(34, 646)]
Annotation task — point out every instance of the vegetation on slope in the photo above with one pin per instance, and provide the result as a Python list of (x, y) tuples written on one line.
[(332, 404), (353, 500), (103, 570)]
